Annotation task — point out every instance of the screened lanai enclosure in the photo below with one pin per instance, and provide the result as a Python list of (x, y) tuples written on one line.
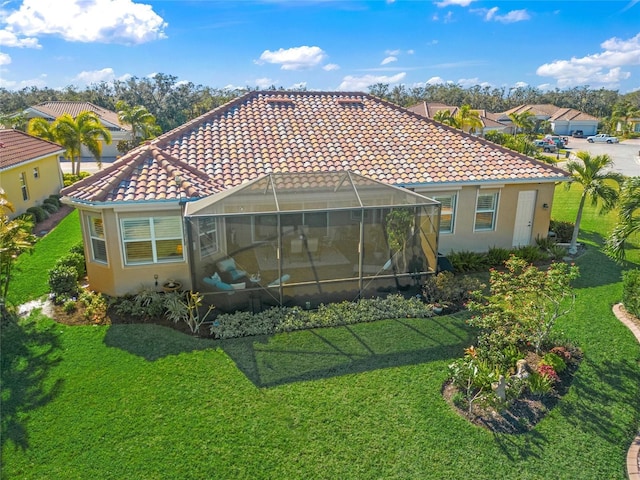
[(309, 238)]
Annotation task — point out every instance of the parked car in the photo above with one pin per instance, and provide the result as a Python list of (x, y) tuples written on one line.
[(602, 138), (578, 134), (559, 141), (546, 145)]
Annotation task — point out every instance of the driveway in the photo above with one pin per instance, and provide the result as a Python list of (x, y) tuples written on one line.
[(625, 155)]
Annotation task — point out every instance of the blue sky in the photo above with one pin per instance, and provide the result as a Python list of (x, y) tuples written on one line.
[(322, 44)]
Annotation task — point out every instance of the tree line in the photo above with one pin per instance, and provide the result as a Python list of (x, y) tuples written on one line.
[(173, 102)]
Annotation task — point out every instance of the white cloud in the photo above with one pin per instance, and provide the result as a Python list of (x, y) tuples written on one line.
[(10, 39), (511, 17), (520, 85), (105, 21), (460, 3), (600, 69), (4, 59), (435, 81), (263, 82), (298, 86), (446, 19), (410, 52), (392, 53), (96, 76), (296, 58), (389, 60), (329, 67), (351, 82), (14, 85), (472, 82)]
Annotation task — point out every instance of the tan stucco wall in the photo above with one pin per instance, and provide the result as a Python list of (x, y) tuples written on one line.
[(464, 238), (118, 279), (49, 182)]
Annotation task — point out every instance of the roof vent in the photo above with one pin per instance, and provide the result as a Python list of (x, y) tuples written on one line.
[(350, 101), (280, 101)]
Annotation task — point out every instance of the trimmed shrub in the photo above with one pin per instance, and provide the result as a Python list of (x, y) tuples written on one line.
[(277, 320), (77, 248), (74, 260), (563, 230), (54, 198), (530, 253), (39, 214), (631, 291), (63, 281), (496, 256), (50, 207), (466, 261)]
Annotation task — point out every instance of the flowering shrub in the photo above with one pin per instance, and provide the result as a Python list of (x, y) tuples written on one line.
[(548, 371)]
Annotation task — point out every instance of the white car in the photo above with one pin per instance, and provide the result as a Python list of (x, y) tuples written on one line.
[(602, 138)]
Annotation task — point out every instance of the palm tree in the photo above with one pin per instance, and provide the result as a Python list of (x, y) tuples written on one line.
[(85, 129), (15, 238), (143, 123), (72, 134), (444, 116), (468, 119), (525, 122), (628, 218), (623, 112), (41, 128), (593, 174)]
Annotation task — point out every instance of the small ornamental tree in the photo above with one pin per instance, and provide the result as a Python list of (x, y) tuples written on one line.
[(523, 304)]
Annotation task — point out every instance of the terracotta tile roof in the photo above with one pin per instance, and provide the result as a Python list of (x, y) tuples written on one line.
[(265, 132), (571, 114), (546, 109), (429, 109), (52, 110), (17, 147), (146, 174)]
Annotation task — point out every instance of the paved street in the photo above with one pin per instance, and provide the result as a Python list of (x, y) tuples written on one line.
[(625, 155)]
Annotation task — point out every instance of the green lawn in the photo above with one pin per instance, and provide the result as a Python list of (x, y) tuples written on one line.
[(140, 401), (30, 278)]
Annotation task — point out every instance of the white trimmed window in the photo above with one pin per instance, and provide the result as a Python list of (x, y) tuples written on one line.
[(208, 236), (447, 212), (486, 208), (152, 240), (96, 234), (23, 186)]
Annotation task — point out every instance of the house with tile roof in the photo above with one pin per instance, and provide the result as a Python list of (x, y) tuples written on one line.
[(29, 169), (302, 192), (564, 121), (430, 109), (109, 119)]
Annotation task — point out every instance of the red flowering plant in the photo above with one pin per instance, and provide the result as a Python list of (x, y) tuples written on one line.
[(549, 372)]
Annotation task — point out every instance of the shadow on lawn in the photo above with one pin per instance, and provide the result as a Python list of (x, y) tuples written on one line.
[(27, 352), (602, 389), (596, 269), (327, 353), (152, 342)]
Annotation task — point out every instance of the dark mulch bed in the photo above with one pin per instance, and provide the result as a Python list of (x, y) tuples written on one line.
[(522, 414)]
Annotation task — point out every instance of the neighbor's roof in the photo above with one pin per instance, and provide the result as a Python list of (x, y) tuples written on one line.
[(429, 109), (18, 147), (275, 131), (546, 109), (571, 114), (52, 110)]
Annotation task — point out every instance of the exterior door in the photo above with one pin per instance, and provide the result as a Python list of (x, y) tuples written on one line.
[(524, 218)]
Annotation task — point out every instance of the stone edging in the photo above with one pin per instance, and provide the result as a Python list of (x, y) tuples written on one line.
[(633, 455)]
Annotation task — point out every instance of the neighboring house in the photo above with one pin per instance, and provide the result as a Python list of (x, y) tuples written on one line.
[(29, 169), (109, 119), (429, 109), (632, 123), (294, 194), (564, 121)]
